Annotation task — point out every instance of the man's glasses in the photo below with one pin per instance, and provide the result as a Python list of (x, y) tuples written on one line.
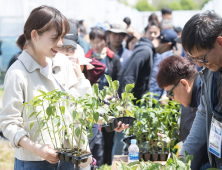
[(170, 93), (203, 60)]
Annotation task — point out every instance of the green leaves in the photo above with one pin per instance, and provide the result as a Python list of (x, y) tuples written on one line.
[(96, 116), (75, 115), (62, 109), (31, 125), (115, 85), (77, 131), (95, 89), (129, 87), (109, 79)]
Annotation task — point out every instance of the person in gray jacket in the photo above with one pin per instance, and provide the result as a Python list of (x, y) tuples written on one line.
[(179, 78), (201, 39)]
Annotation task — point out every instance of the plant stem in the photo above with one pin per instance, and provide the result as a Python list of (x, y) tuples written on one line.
[(65, 126), (47, 125), (39, 127), (80, 139), (54, 133)]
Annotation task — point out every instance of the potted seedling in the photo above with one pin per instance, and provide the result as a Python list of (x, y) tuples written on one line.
[(52, 115), (120, 108)]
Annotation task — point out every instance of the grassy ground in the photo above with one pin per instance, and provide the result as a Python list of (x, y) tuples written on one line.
[(6, 155)]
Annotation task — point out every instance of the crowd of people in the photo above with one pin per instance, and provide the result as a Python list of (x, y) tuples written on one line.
[(164, 60)]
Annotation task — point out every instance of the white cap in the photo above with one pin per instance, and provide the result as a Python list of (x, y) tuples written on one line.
[(79, 53)]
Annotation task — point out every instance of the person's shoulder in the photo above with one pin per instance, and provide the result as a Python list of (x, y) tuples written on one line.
[(61, 59)]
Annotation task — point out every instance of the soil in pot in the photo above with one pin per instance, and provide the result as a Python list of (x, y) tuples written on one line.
[(147, 156), (155, 157)]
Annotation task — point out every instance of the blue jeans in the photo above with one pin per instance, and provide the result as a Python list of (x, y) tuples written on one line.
[(119, 145), (205, 166), (42, 165)]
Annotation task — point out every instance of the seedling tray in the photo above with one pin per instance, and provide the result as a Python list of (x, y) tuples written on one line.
[(148, 156), (69, 157), (113, 123)]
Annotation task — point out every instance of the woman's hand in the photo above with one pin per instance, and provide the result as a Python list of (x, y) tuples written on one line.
[(121, 127), (76, 67), (47, 153), (41, 150)]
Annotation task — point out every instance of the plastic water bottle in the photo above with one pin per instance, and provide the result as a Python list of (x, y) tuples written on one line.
[(133, 151)]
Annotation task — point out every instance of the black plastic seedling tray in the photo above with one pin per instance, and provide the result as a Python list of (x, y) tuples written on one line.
[(113, 123), (69, 157)]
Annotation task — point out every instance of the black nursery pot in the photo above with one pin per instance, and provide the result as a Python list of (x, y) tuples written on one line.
[(163, 156), (131, 120), (147, 156), (114, 123), (69, 157), (61, 155), (155, 157), (128, 139)]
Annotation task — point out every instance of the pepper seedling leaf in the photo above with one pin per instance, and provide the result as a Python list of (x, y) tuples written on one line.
[(31, 125), (77, 131), (129, 87)]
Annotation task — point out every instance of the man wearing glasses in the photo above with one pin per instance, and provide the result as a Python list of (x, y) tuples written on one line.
[(202, 40), (179, 78)]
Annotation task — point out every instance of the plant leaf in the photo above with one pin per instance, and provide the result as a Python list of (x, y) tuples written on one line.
[(115, 85), (75, 115), (95, 89), (129, 87), (77, 131), (82, 121), (31, 125), (96, 116), (33, 113), (62, 109)]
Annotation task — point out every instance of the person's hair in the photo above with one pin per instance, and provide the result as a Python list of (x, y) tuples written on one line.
[(173, 68), (152, 23), (166, 24), (127, 20), (178, 29), (85, 72), (97, 33), (42, 19), (201, 31), (128, 41), (166, 10), (75, 22), (81, 22), (153, 17), (82, 29)]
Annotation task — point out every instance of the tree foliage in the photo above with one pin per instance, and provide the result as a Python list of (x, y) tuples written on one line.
[(175, 5), (143, 5), (188, 5)]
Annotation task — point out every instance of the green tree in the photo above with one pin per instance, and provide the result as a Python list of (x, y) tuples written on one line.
[(143, 5), (206, 1), (188, 5), (175, 5)]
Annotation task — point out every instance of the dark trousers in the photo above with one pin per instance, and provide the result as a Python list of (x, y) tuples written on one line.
[(108, 146), (97, 148)]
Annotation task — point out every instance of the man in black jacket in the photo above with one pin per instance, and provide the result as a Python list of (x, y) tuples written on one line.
[(138, 68)]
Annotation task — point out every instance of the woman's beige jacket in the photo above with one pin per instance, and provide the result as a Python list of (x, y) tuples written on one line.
[(22, 81)]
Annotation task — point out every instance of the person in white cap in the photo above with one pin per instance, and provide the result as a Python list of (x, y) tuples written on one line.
[(116, 36)]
